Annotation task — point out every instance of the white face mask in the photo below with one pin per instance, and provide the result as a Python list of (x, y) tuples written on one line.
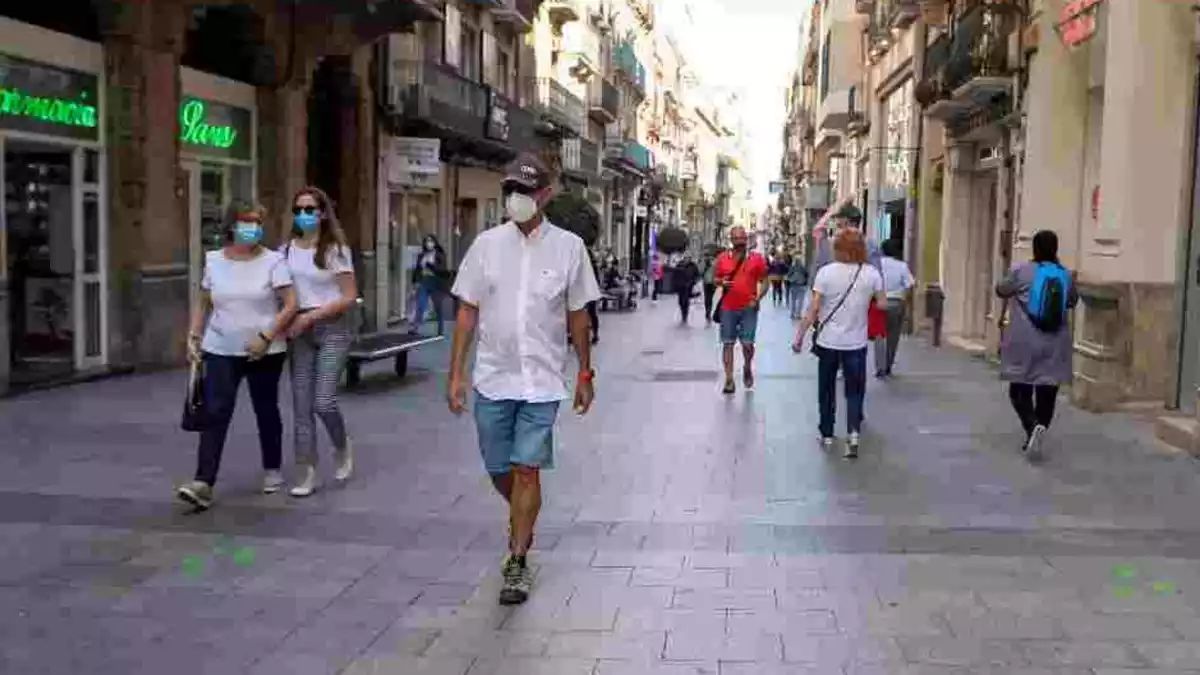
[(521, 208)]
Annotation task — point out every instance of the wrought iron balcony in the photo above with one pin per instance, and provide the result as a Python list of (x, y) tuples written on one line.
[(604, 100), (970, 69), (559, 106), (517, 13), (435, 94), (580, 159)]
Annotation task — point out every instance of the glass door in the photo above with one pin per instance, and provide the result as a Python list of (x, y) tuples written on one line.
[(90, 272), (207, 194)]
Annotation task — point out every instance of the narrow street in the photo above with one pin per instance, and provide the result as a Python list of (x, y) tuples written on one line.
[(683, 532)]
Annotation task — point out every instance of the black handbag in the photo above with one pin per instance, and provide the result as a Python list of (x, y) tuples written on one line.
[(195, 412)]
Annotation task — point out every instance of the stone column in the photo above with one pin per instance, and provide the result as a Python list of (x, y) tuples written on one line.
[(147, 220), (956, 236)]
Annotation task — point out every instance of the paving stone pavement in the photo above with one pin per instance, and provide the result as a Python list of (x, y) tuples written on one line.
[(683, 533)]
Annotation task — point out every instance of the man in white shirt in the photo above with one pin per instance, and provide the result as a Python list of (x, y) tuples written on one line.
[(522, 285), (897, 284)]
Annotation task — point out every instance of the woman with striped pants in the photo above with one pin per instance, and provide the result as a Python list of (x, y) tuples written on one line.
[(323, 274)]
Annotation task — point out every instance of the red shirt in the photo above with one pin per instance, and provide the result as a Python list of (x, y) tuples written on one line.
[(744, 291)]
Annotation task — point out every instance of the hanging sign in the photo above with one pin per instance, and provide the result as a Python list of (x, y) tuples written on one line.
[(48, 100), (1077, 21), (497, 119), (415, 162), (214, 129)]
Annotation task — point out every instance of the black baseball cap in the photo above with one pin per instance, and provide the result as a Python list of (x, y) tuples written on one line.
[(527, 171)]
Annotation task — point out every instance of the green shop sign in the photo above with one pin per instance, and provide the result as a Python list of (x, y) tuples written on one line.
[(47, 100), (214, 129)]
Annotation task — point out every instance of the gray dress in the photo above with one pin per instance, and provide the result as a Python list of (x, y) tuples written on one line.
[(1028, 355)]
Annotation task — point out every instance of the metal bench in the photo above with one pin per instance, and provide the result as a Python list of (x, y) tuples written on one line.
[(379, 345)]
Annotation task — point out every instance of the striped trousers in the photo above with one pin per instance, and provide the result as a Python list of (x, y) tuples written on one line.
[(317, 358)]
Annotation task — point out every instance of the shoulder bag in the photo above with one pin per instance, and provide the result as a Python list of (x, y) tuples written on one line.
[(195, 412), (716, 315), (820, 324)]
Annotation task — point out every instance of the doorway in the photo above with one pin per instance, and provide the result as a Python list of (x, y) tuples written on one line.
[(54, 247), (466, 224), (211, 188), (981, 243)]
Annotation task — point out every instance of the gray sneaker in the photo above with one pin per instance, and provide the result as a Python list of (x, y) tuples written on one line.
[(852, 442), (344, 459), (196, 493), (518, 581), (272, 481), (1033, 446)]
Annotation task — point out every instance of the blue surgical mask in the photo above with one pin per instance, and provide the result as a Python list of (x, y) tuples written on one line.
[(247, 232), (306, 222)]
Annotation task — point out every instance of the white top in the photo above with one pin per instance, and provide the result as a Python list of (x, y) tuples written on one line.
[(897, 278), (847, 330), (244, 300), (316, 286), (523, 287)]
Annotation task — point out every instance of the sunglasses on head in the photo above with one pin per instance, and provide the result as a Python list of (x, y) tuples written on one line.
[(297, 210)]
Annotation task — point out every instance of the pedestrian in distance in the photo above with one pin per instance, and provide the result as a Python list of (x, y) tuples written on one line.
[(897, 284), (708, 266), (326, 290), (741, 274), (684, 276), (1035, 351), (236, 331), (797, 282), (777, 272), (521, 287), (842, 294), (430, 278)]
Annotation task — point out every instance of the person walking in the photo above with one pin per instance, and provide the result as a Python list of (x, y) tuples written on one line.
[(897, 284), (246, 302), (657, 272), (741, 274), (684, 277), (709, 285), (842, 293), (430, 278), (777, 272), (1035, 351), (521, 288), (797, 285), (326, 291), (593, 307)]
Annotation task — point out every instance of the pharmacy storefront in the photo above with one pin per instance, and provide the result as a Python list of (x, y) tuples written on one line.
[(217, 153), (53, 234)]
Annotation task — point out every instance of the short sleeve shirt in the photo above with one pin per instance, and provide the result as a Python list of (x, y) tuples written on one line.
[(524, 285), (845, 329), (316, 286), (897, 278), (244, 300), (744, 291)]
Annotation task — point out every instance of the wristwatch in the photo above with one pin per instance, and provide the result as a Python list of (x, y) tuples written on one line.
[(587, 375)]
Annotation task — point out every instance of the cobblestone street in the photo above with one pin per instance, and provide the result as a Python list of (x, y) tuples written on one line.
[(683, 532)]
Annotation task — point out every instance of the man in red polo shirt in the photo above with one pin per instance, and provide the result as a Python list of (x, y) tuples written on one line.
[(741, 274)]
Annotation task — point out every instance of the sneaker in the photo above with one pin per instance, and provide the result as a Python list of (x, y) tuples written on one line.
[(272, 481), (729, 387), (852, 446), (518, 581), (1033, 446), (345, 462), (196, 493), (826, 442), (307, 484)]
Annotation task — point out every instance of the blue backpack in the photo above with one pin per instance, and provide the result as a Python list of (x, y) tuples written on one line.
[(1048, 297)]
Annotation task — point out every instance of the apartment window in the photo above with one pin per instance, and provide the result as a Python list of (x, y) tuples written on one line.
[(825, 66), (471, 46)]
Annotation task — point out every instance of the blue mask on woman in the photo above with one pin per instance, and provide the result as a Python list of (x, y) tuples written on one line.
[(306, 222), (247, 233)]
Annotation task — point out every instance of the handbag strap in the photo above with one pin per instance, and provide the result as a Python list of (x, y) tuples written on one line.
[(842, 301)]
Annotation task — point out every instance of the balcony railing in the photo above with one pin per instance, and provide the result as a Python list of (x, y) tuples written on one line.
[(589, 157), (626, 63), (558, 105), (431, 91), (605, 100), (614, 141)]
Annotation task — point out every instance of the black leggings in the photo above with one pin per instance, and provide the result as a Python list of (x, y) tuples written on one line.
[(1034, 403)]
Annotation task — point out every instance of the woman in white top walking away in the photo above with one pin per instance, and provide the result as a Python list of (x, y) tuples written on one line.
[(246, 301), (897, 284), (841, 295), (323, 271)]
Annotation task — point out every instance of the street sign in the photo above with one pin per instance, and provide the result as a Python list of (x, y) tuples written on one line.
[(415, 162)]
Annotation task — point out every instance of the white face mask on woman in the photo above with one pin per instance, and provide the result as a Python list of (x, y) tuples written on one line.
[(521, 208)]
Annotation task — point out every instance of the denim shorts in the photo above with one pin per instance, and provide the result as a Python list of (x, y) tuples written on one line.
[(515, 432), (739, 325)]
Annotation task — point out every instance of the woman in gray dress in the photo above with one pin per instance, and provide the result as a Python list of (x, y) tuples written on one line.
[(1034, 362)]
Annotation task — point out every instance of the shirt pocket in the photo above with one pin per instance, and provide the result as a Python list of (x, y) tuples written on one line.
[(549, 283)]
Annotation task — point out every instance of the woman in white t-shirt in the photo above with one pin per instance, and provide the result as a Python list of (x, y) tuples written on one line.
[(323, 271), (841, 295), (246, 301)]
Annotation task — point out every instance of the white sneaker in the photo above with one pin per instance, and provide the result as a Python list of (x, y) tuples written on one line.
[(307, 484), (1033, 447), (852, 446), (345, 462), (272, 482)]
